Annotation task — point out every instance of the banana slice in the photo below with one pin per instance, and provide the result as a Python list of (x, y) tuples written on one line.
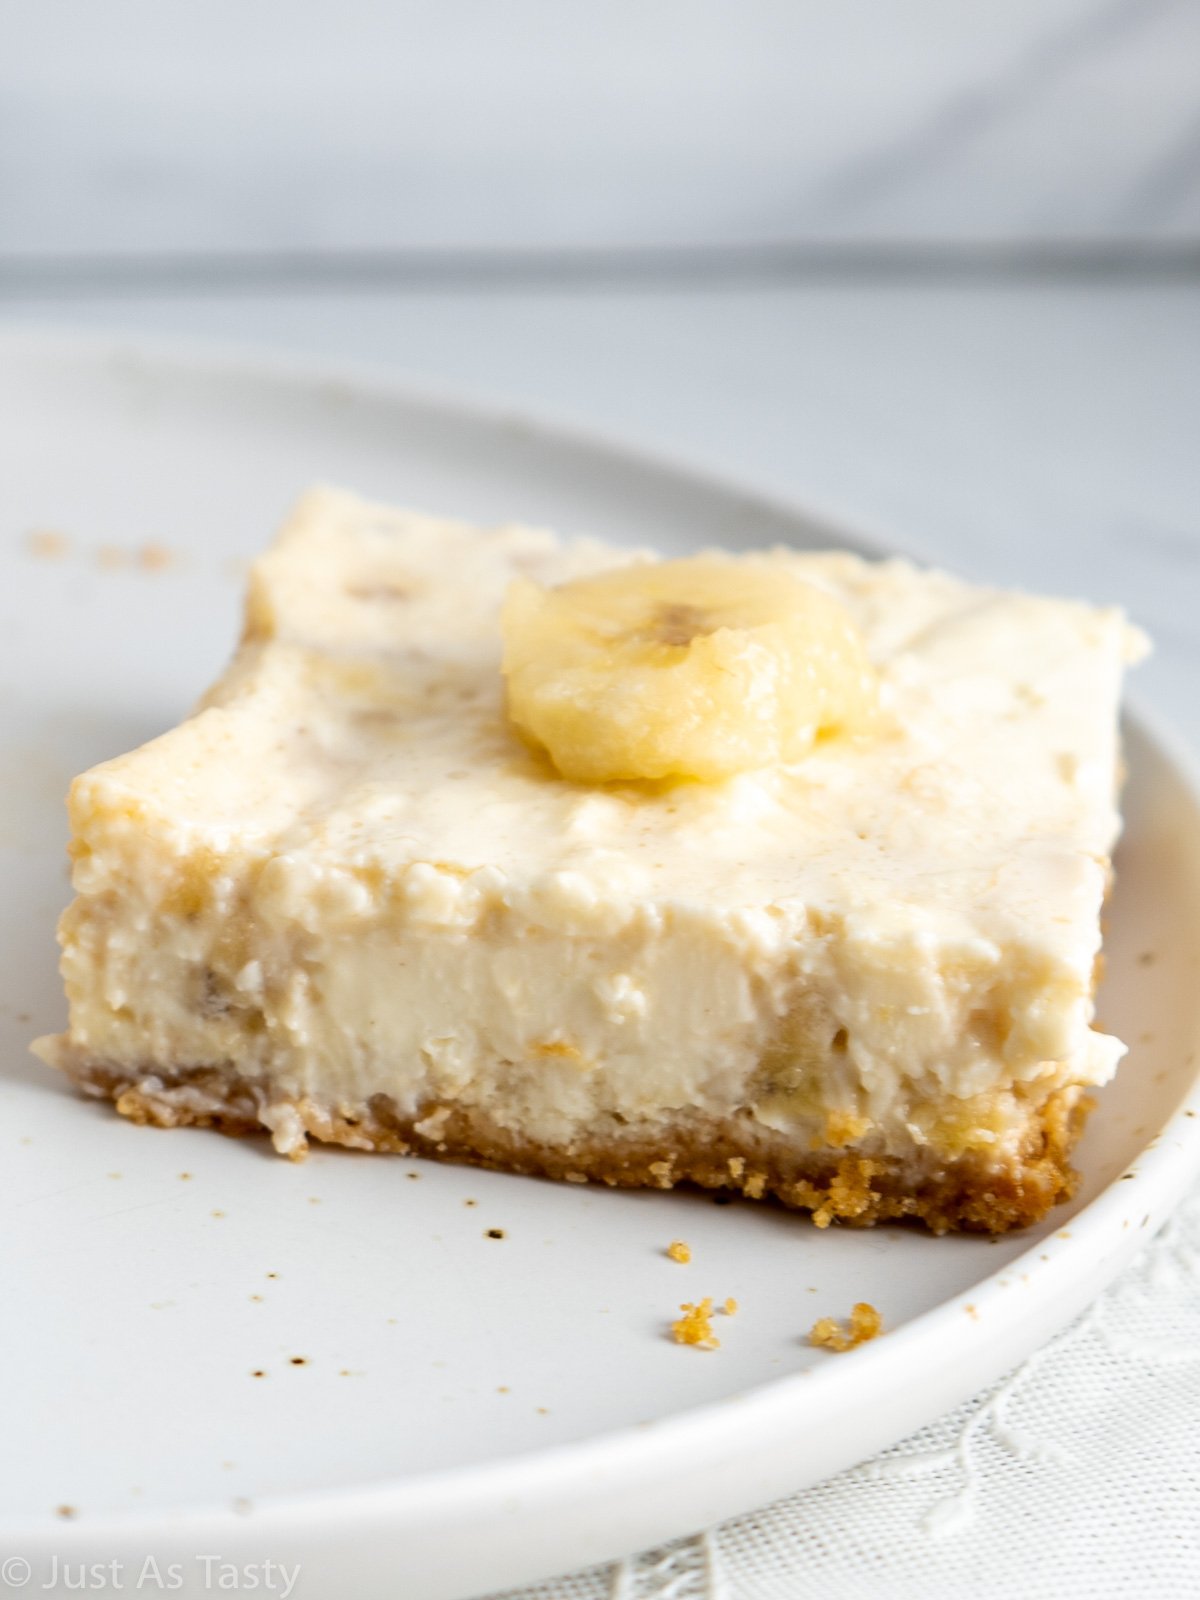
[(681, 669)]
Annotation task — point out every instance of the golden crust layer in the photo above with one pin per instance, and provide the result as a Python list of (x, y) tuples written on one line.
[(739, 1154)]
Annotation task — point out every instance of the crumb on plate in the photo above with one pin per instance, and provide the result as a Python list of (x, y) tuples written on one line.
[(695, 1325), (865, 1323), (679, 1251), (154, 557), (47, 544)]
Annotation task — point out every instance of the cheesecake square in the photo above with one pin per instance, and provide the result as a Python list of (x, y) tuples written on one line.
[(349, 900)]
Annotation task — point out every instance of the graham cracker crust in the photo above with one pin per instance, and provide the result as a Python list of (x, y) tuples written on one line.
[(739, 1154)]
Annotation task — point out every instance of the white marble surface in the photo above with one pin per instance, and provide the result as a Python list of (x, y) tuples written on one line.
[(292, 126), (1036, 435)]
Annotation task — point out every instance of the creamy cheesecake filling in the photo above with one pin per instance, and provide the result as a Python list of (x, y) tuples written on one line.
[(346, 883), (555, 1008)]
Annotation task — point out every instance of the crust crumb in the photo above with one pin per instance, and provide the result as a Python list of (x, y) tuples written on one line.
[(695, 1325), (730, 1308), (843, 1128), (46, 544), (679, 1251), (154, 557), (865, 1324)]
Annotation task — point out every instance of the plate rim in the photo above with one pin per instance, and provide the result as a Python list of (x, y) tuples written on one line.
[(232, 358), (391, 1510)]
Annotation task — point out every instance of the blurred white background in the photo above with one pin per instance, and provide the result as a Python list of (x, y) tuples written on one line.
[(137, 128), (933, 265)]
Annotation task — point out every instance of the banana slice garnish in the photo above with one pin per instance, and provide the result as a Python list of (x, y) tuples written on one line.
[(681, 669)]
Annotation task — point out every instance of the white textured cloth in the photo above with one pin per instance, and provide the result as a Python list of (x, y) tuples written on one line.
[(1078, 1474)]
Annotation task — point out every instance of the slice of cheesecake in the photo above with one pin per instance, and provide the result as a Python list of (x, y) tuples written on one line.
[(349, 899)]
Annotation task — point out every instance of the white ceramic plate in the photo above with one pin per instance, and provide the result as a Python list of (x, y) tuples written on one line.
[(441, 1412)]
